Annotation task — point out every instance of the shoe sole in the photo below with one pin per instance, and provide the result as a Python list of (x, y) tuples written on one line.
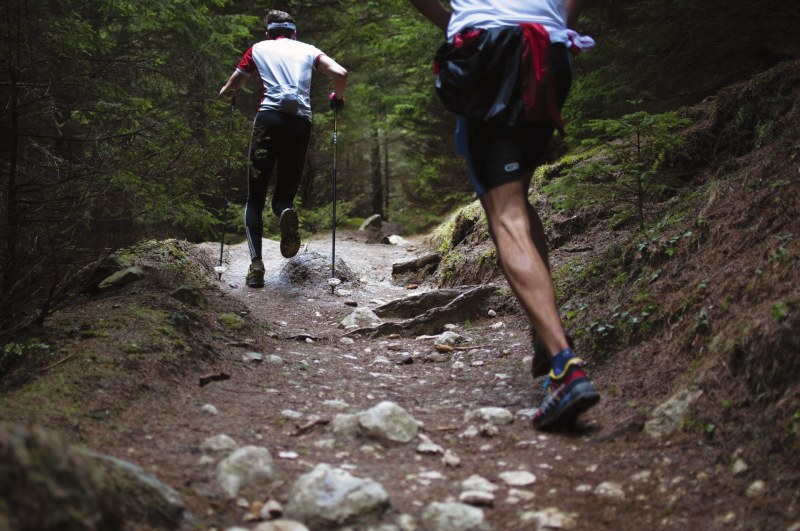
[(581, 398), (290, 235)]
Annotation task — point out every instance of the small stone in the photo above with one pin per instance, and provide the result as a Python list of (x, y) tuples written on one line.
[(521, 494), (470, 432), (583, 489), (291, 414), (248, 465), (494, 415), (668, 417), (288, 455), (406, 522), (478, 498), (347, 341), (412, 286), (432, 474), (451, 516), (449, 338), (330, 497), (498, 325), (611, 490), (727, 518), (740, 467), (476, 482), (517, 478), (458, 365), (437, 357), (450, 458), (210, 409), (427, 446), (335, 404), (341, 292), (491, 313), (756, 489), (351, 303), (388, 422), (273, 359), (644, 475), (253, 357), (477, 363), (550, 518), (219, 443)]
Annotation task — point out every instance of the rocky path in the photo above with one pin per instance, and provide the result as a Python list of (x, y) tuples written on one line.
[(304, 421), (333, 429)]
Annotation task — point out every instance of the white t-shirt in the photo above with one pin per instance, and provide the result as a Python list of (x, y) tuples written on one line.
[(485, 14), (285, 67)]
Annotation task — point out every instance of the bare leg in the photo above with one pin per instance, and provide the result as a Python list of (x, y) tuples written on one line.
[(520, 245)]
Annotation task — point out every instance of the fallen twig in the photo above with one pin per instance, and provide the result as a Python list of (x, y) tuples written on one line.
[(302, 429), (57, 363)]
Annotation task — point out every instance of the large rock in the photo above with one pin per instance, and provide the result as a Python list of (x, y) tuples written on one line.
[(388, 422), (330, 497), (122, 278), (361, 317), (191, 296), (244, 467), (48, 485), (452, 516), (668, 417)]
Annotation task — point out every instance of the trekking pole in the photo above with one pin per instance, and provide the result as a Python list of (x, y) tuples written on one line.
[(333, 237), (221, 268)]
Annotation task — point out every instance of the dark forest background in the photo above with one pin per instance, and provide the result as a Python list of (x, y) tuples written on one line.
[(111, 131)]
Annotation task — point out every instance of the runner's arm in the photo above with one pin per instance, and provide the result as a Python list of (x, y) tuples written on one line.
[(434, 11), (235, 82), (573, 8), (336, 72)]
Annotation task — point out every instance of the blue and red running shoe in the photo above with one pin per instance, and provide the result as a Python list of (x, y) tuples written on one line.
[(568, 395)]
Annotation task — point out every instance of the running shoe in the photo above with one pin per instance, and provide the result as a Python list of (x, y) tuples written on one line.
[(255, 275), (568, 395), (290, 233)]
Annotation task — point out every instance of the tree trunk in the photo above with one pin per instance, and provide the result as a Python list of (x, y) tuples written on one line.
[(11, 233), (377, 181), (385, 177)]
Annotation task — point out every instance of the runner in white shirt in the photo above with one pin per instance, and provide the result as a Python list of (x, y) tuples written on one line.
[(501, 157), (282, 128)]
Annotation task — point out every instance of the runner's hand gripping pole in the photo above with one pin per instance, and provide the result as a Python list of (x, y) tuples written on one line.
[(221, 268)]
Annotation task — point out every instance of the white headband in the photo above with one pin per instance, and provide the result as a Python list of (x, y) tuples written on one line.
[(281, 25)]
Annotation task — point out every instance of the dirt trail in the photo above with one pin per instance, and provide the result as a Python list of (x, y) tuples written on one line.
[(607, 475), (660, 485)]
